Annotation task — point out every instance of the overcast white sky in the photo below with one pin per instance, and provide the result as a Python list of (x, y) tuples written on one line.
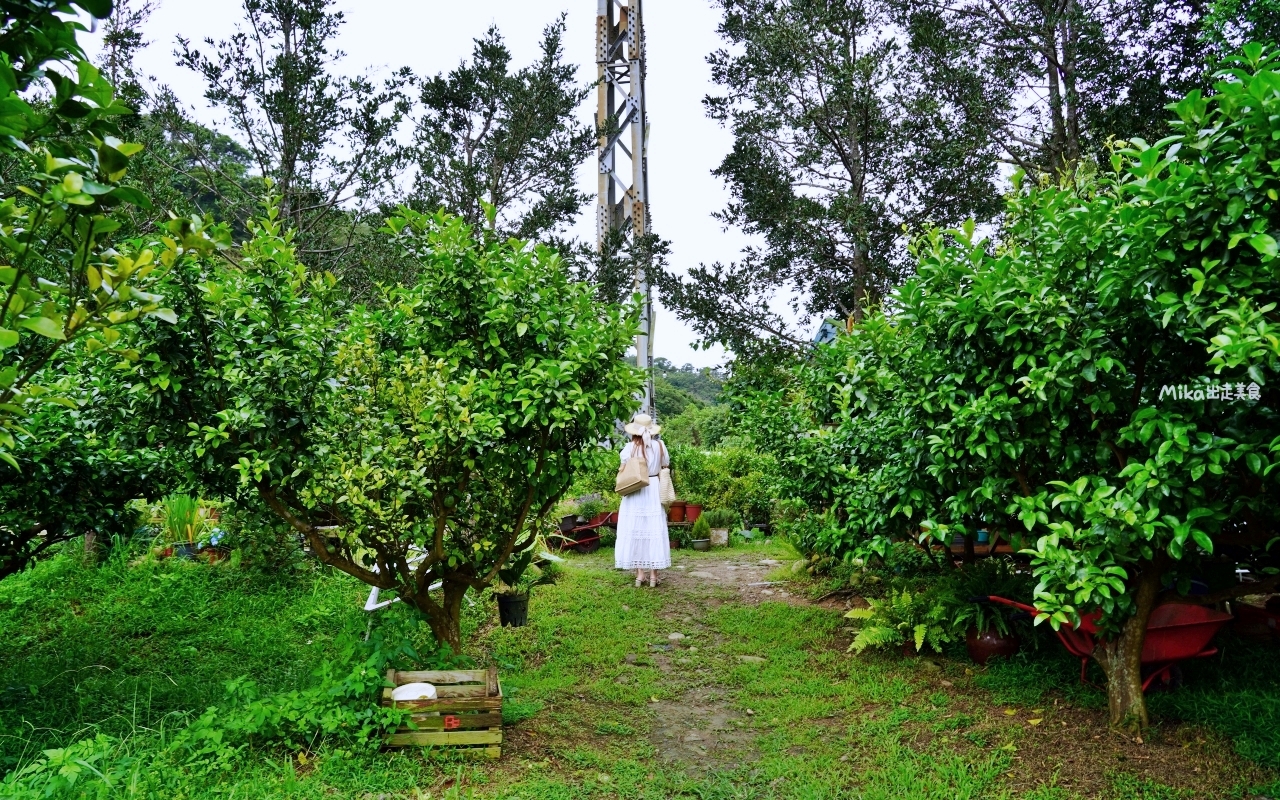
[(432, 36)]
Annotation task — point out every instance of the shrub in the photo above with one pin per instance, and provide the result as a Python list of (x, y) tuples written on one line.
[(699, 427), (737, 479), (700, 529), (720, 518), (1087, 379)]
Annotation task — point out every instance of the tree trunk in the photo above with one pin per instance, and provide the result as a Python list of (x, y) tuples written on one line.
[(1121, 657), (1071, 97), (1056, 156), (445, 617), (1121, 660)]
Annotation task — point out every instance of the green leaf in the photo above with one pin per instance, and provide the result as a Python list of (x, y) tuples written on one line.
[(1201, 538), (44, 326), (8, 338), (1265, 244), (98, 8)]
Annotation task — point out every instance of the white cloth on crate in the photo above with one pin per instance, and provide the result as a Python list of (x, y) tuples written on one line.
[(642, 523)]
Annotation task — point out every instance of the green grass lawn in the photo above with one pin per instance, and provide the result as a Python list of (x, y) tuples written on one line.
[(757, 700)]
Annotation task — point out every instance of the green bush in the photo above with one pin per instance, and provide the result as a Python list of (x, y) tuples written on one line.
[(702, 427), (720, 518), (738, 479), (1094, 377), (700, 529)]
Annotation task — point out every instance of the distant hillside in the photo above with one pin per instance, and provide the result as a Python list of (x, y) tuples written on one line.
[(702, 384), (671, 400)]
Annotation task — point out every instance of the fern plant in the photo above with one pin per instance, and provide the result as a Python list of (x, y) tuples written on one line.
[(899, 618)]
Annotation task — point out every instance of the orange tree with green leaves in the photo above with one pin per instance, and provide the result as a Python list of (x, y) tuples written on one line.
[(1101, 377), (422, 440)]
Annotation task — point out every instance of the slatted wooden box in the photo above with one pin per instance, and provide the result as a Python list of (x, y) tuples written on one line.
[(467, 711)]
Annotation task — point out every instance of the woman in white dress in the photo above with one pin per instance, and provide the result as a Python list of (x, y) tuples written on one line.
[(642, 523)]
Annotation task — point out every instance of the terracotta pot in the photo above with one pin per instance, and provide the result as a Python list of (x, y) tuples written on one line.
[(692, 511), (984, 646), (676, 513), (675, 545), (909, 649)]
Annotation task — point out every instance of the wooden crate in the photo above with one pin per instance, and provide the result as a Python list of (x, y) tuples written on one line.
[(467, 711)]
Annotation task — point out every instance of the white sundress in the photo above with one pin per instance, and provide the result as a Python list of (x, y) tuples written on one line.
[(642, 523)]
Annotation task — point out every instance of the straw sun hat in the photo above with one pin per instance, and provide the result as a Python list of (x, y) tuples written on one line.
[(641, 423)]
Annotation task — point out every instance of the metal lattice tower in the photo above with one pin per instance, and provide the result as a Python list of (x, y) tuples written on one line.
[(624, 168)]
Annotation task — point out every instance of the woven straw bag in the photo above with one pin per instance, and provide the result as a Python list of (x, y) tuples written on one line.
[(666, 489), (633, 475)]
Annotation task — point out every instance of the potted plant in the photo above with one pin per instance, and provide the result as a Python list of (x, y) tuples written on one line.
[(676, 512), (700, 535), (184, 524), (516, 582), (720, 520), (589, 510), (986, 629)]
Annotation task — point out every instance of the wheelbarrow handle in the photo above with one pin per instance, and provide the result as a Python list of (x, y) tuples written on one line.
[(1012, 603)]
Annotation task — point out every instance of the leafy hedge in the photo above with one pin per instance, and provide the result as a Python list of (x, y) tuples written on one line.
[(1097, 376)]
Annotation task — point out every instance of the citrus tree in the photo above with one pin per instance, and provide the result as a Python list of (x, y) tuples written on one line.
[(64, 163), (71, 461), (417, 442), (1098, 378)]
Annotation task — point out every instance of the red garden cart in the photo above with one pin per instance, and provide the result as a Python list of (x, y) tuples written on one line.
[(1176, 632), (585, 538)]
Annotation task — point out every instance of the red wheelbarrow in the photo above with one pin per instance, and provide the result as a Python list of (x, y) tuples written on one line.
[(586, 538), (1175, 632)]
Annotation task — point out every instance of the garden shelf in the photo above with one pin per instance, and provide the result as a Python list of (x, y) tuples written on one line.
[(466, 714)]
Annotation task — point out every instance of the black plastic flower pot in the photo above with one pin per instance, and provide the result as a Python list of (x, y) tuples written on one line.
[(513, 610)]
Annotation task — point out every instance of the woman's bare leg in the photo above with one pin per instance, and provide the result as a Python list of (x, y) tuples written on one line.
[(639, 577)]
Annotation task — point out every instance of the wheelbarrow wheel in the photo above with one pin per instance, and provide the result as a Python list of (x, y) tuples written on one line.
[(588, 547)]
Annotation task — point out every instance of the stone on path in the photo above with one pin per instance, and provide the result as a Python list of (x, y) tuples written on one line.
[(630, 658), (700, 574), (626, 608), (769, 562), (751, 659), (766, 591), (675, 637)]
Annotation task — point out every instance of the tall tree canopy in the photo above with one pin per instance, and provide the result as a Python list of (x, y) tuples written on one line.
[(327, 140), (509, 139), (1078, 72), (843, 137)]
